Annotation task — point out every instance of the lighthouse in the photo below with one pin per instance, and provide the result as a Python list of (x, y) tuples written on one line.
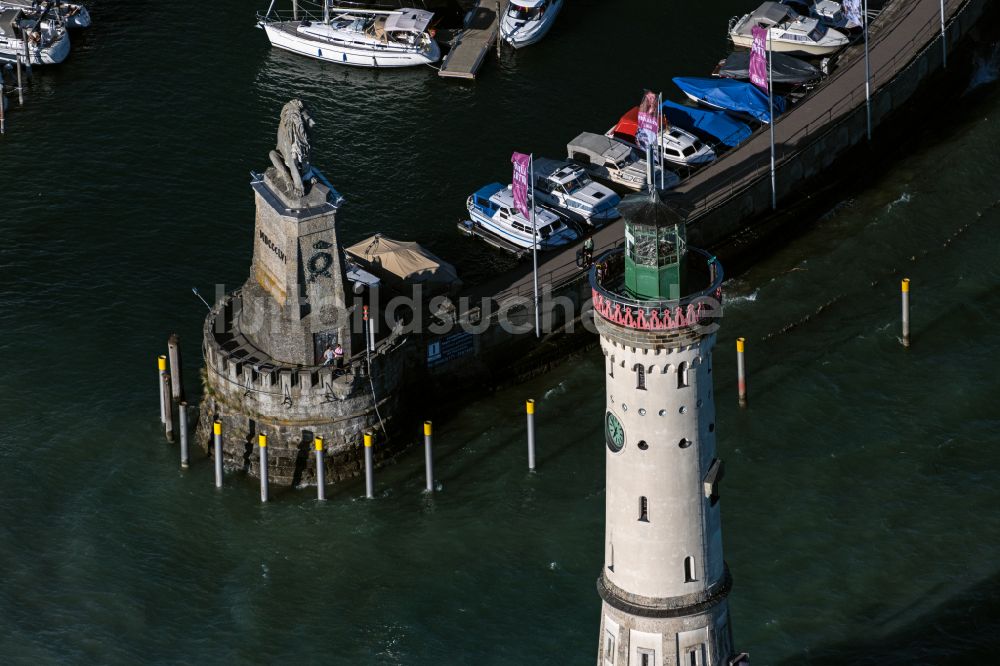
[(664, 583)]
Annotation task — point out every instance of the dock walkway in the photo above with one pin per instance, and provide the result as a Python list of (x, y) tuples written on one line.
[(475, 41), (896, 37)]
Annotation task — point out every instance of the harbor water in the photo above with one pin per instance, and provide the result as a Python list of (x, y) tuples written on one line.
[(859, 504)]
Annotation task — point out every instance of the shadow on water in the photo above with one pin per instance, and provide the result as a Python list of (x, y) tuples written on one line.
[(960, 630)]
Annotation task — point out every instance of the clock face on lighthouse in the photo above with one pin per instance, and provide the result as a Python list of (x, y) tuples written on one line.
[(614, 432)]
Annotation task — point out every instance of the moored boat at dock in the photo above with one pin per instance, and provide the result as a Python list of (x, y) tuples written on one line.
[(492, 209), (788, 31), (567, 188), (526, 21), (72, 15), (615, 162), (737, 97), (785, 69), (362, 38), (40, 35), (678, 145)]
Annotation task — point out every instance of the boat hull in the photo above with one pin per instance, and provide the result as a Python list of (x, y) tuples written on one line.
[(792, 48), (343, 54), (53, 54)]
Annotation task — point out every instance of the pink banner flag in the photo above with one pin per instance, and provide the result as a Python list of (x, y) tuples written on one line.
[(522, 164), (648, 125), (758, 58)]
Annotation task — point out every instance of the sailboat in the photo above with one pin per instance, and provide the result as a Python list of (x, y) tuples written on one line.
[(37, 37), (358, 37)]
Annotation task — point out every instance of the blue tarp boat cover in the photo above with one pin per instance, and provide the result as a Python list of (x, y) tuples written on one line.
[(731, 95), (708, 124)]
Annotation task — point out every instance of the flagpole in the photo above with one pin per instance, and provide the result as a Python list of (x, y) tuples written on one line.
[(868, 73), (659, 105), (770, 99), (944, 41), (534, 246)]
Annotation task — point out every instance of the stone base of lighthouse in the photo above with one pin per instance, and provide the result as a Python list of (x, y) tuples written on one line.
[(251, 393)]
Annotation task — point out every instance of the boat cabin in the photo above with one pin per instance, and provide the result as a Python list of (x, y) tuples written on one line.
[(527, 10), (600, 150)]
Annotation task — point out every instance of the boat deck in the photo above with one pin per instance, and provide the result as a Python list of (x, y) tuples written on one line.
[(471, 46)]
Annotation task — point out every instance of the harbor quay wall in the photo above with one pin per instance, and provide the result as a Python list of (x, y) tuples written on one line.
[(251, 394), (802, 163)]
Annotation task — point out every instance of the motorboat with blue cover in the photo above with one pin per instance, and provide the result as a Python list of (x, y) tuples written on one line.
[(730, 95), (711, 125)]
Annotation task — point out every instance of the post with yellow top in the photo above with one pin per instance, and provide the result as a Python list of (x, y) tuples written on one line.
[(161, 366), (262, 445), (369, 472), (428, 458), (905, 286), (529, 407), (174, 352), (182, 413), (217, 437), (320, 470), (168, 409), (741, 371)]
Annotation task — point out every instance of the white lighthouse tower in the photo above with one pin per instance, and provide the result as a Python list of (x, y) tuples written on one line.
[(664, 582)]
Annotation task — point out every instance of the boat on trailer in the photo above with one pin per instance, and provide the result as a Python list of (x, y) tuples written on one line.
[(39, 35), (358, 37), (492, 210)]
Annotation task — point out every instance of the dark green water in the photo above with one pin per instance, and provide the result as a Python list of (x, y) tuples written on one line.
[(860, 498)]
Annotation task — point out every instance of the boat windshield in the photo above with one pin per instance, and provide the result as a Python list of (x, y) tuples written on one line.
[(546, 231), (817, 33), (571, 186), (525, 13)]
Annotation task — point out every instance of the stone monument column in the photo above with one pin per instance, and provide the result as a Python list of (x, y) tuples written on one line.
[(294, 302)]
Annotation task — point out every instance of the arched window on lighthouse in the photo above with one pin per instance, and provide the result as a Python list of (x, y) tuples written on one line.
[(682, 375), (640, 376), (689, 570), (644, 509)]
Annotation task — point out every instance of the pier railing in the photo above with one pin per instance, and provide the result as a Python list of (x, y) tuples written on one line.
[(744, 177)]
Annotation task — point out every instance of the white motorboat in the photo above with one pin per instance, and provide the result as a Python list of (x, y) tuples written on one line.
[(526, 21), (679, 146), (46, 37), (74, 16), (829, 12), (492, 209), (788, 31), (363, 38), (570, 189), (615, 162)]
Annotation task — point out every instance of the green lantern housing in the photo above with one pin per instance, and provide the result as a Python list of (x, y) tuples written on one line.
[(655, 250)]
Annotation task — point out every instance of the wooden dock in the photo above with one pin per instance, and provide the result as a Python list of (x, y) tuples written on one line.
[(475, 41)]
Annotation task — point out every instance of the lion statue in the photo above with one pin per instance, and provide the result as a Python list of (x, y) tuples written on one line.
[(291, 156)]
